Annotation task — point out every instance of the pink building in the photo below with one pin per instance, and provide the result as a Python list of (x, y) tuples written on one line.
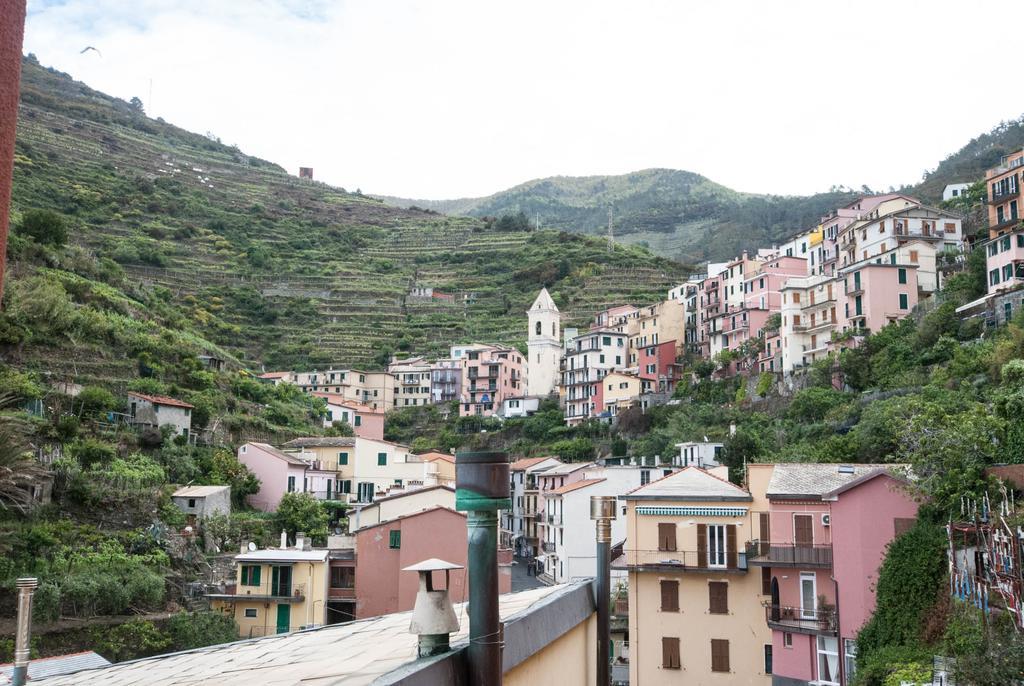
[(828, 527), (489, 375), (384, 550), (1005, 256), (761, 289), (366, 422), (656, 367), (878, 294), (281, 473)]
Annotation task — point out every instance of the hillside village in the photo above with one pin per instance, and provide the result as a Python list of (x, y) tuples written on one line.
[(258, 429)]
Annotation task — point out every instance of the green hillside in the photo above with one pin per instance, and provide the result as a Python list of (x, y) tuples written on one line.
[(289, 273)]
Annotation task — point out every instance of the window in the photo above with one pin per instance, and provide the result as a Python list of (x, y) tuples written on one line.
[(645, 478), (850, 658), (1007, 272), (828, 660), (343, 577), (251, 575), (342, 458), (787, 640), (346, 486), (808, 595), (395, 539), (359, 420), (768, 658), (716, 545), (993, 277), (913, 256), (670, 653), (669, 596), (766, 580), (382, 459), (666, 536), (191, 502), (250, 612), (606, 340), (904, 303), (291, 484), (719, 655), (901, 274), (718, 597)]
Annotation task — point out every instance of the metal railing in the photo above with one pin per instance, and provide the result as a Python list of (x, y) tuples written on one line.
[(765, 552), (683, 560), (548, 547), (823, 620)]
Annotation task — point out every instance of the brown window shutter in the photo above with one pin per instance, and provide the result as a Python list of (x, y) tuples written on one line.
[(730, 546), (669, 596), (670, 653), (719, 655), (766, 581), (718, 598), (666, 536), (764, 529), (702, 545), (803, 526)]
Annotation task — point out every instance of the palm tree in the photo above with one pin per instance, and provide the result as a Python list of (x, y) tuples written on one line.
[(19, 471)]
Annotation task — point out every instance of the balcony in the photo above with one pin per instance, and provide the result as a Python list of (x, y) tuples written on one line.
[(766, 554), (555, 520), (682, 561), (280, 593), (1005, 222), (801, 620), (547, 547), (1001, 196)]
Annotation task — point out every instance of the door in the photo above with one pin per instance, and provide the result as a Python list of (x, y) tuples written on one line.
[(808, 595), (776, 612), (281, 581), (365, 492), (284, 617)]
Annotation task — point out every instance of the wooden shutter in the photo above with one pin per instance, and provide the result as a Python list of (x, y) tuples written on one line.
[(702, 545), (666, 536), (764, 533), (669, 596), (730, 546), (766, 580), (803, 528), (670, 653), (719, 655), (254, 575), (718, 598)]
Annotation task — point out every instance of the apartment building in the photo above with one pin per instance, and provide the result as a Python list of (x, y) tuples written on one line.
[(822, 539), (1003, 184), (489, 375), (364, 419), (655, 324), (615, 318), (695, 611), (703, 454), (544, 346), (282, 472), (810, 312), (878, 294), (520, 523), (412, 382), (656, 367), (619, 391), (445, 381), (375, 389), (588, 359)]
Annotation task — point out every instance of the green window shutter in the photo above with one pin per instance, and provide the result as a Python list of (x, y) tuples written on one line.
[(245, 575), (382, 459), (395, 539), (903, 301), (902, 275), (359, 420), (342, 458)]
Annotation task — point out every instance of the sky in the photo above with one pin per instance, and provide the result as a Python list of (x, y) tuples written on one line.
[(463, 98)]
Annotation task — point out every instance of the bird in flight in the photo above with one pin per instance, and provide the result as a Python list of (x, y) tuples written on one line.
[(88, 48)]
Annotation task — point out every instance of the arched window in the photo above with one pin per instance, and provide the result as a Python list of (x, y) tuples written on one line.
[(538, 328)]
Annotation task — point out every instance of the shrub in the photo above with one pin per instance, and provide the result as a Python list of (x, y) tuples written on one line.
[(188, 630), (302, 512), (134, 639), (96, 402), (44, 226), (91, 452), (812, 404)]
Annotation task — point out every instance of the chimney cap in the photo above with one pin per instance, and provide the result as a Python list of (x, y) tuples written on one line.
[(27, 582), (432, 565)]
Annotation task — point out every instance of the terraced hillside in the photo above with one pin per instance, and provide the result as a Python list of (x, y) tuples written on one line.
[(284, 272)]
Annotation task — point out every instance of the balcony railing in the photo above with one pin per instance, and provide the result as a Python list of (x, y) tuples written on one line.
[(765, 553), (801, 620), (556, 520), (684, 561), (280, 592), (548, 547)]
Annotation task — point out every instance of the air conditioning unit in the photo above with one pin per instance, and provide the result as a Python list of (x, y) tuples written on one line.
[(826, 520)]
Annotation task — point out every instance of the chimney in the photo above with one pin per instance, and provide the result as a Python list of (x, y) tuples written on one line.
[(481, 489), (284, 539), (22, 643), (300, 540), (244, 547), (602, 511), (433, 617)]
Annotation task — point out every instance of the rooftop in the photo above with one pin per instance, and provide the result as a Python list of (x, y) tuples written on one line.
[(321, 442), (431, 456), (274, 452), (690, 483), (350, 654), (161, 399), (55, 666), (527, 462), (812, 480), (566, 468), (568, 488), (283, 555), (199, 491)]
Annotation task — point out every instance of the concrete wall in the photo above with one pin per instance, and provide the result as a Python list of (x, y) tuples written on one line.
[(567, 661), (215, 503)]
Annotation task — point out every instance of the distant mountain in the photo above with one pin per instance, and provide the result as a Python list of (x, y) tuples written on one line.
[(687, 216), (677, 214)]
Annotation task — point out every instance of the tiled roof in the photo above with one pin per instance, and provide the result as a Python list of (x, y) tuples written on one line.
[(56, 665), (690, 483), (566, 468), (576, 485), (813, 480), (352, 654), (527, 462), (321, 442), (431, 456), (271, 450), (275, 375), (161, 400), (198, 491), (342, 401)]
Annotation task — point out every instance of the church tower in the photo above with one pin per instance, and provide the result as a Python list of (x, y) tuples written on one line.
[(544, 345)]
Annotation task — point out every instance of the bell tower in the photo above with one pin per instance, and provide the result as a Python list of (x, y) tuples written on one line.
[(543, 342)]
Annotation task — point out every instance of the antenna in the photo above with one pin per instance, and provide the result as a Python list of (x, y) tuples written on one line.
[(611, 232)]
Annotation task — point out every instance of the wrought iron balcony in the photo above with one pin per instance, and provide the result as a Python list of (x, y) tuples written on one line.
[(802, 620), (767, 554), (548, 547)]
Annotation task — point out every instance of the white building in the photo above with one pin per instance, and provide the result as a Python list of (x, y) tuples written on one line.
[(519, 524), (569, 549), (199, 502), (159, 411), (545, 352), (588, 359), (702, 454), (954, 190), (518, 406)]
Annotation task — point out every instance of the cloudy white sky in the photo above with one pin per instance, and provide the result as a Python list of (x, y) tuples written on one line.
[(440, 99)]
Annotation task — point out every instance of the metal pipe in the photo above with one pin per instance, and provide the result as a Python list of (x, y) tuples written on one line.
[(602, 511), (22, 639), (481, 489)]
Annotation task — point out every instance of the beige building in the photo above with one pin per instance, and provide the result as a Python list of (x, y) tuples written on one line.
[(376, 389), (619, 390), (695, 613), (401, 504), (412, 382), (364, 467), (658, 323)]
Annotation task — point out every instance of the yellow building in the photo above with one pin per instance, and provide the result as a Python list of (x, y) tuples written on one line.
[(618, 391), (276, 590), (658, 323), (695, 613)]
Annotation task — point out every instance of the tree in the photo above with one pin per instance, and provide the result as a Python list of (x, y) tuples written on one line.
[(226, 469), (44, 226), (94, 402), (136, 104), (188, 630), (301, 512)]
